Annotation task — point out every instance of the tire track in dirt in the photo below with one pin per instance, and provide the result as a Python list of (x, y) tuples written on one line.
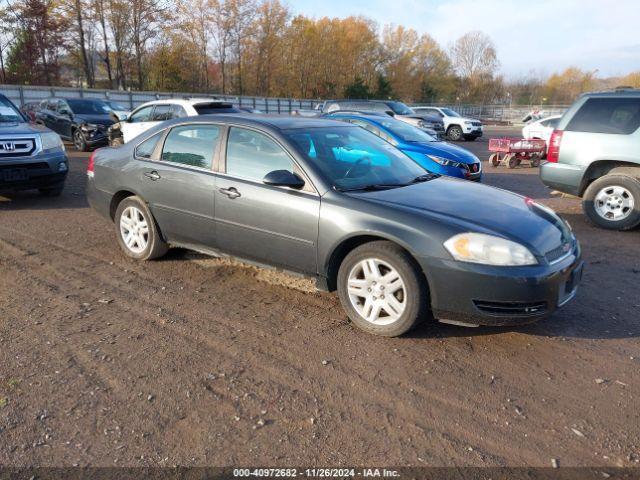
[(446, 402)]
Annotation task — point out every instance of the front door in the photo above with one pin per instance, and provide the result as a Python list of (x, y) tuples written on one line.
[(179, 184), (268, 224), (138, 122)]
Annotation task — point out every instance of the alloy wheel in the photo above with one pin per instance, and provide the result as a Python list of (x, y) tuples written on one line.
[(377, 291), (614, 203), (134, 229)]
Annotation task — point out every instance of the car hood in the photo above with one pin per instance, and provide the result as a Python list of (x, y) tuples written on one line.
[(443, 149), (97, 119), (21, 129), (480, 208), (428, 118)]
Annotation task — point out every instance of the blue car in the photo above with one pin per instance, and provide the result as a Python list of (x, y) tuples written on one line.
[(432, 154)]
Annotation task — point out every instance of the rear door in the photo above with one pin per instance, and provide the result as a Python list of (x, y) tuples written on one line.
[(178, 182), (268, 224)]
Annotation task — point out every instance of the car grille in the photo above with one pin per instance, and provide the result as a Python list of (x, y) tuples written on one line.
[(476, 124), (17, 147), (511, 308), (559, 252)]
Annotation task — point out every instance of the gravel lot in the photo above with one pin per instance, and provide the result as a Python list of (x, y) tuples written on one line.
[(197, 361)]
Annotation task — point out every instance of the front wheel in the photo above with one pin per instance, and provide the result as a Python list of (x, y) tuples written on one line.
[(137, 232), (613, 202), (454, 133), (382, 289), (79, 141)]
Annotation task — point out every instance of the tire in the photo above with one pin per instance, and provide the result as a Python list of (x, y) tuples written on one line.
[(535, 162), (146, 246), (116, 142), (411, 298), (512, 161), (494, 159), (454, 133), (79, 141), (54, 191), (613, 202)]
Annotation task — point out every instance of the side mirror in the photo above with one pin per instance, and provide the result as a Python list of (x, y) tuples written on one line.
[(283, 178), (390, 113)]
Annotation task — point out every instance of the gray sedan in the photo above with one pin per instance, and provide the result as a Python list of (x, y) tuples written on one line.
[(339, 204)]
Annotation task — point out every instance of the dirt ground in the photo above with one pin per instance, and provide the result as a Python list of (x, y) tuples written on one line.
[(195, 361)]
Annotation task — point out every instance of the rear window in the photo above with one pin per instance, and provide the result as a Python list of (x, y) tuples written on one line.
[(209, 108), (607, 115)]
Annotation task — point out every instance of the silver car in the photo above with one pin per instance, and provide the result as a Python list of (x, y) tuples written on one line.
[(595, 153)]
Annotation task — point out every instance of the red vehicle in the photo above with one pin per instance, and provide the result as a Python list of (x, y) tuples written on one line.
[(512, 151)]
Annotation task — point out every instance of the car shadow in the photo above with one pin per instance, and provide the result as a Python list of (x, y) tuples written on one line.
[(71, 198)]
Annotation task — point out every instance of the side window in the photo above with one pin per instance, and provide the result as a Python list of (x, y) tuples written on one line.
[(607, 115), (62, 106), (161, 113), (142, 115), (146, 148), (252, 155), (192, 145), (177, 111), (52, 105)]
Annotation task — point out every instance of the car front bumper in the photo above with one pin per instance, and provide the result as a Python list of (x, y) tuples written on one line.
[(26, 173), (484, 295)]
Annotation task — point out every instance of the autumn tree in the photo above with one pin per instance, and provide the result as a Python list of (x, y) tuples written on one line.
[(475, 60)]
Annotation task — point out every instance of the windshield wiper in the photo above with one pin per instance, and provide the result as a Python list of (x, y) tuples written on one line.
[(425, 178), (373, 187)]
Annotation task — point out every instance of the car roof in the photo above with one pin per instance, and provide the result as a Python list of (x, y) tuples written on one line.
[(185, 101), (622, 92), (272, 122), (355, 113)]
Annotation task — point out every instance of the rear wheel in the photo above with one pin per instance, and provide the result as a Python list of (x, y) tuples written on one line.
[(137, 232), (494, 159), (535, 162), (613, 202), (454, 133), (512, 161), (382, 290)]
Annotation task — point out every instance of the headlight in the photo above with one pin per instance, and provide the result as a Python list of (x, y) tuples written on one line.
[(89, 127), (444, 161), (488, 250), (51, 140), (468, 123), (422, 124)]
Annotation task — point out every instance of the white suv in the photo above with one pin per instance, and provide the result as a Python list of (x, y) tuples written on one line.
[(151, 113), (456, 126)]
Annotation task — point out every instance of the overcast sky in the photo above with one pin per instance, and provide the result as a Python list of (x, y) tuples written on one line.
[(540, 35)]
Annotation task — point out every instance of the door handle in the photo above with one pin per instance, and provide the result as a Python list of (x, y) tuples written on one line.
[(230, 192), (152, 175)]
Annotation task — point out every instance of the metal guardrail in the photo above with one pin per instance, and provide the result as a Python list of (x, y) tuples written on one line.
[(500, 113), (23, 94)]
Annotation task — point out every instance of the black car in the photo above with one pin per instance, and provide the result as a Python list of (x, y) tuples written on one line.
[(83, 121), (337, 203), (31, 156)]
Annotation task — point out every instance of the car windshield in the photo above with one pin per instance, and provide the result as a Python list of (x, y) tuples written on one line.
[(116, 106), (450, 113), (406, 132), (89, 107), (8, 113), (352, 158), (400, 108)]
